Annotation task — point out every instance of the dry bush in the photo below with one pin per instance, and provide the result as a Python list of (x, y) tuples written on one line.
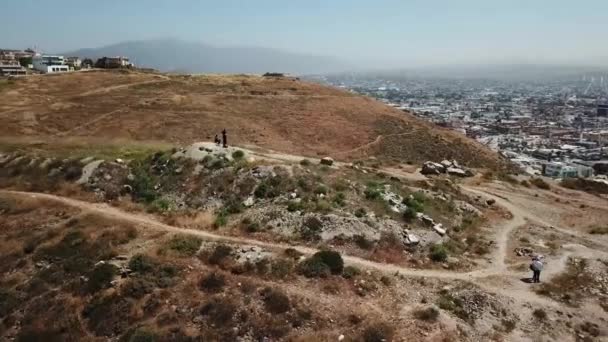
[(212, 282), (275, 300), (429, 314), (378, 332)]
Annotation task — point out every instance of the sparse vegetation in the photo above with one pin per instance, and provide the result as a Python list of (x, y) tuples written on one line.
[(313, 268), (378, 332), (438, 253), (276, 301), (332, 259), (429, 314), (99, 278), (599, 230), (212, 282), (539, 314), (238, 154), (185, 245), (350, 272), (540, 183)]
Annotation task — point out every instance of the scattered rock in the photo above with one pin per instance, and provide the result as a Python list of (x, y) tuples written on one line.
[(119, 161), (430, 168), (524, 251), (490, 202), (327, 161), (249, 202), (439, 229), (88, 170), (456, 172), (411, 239)]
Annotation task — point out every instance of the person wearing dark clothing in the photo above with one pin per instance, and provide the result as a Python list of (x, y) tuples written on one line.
[(536, 266), (217, 140), (224, 138)]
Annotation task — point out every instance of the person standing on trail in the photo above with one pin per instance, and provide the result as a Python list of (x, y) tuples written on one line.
[(536, 266), (224, 138), (217, 140)]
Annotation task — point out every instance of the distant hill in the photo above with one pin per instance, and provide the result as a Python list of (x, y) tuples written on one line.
[(191, 57), (280, 114)]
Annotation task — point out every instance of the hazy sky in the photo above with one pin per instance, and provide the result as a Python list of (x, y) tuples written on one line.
[(396, 32)]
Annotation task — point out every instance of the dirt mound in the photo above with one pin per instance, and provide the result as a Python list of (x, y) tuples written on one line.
[(281, 114)]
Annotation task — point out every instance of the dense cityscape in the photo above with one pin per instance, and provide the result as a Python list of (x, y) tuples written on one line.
[(554, 127)]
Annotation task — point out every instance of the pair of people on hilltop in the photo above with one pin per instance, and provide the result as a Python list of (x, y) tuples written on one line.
[(224, 141)]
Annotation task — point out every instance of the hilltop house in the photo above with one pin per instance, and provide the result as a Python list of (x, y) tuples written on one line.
[(48, 64), (11, 69), (113, 63), (74, 62)]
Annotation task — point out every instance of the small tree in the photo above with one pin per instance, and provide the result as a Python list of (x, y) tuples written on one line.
[(332, 259)]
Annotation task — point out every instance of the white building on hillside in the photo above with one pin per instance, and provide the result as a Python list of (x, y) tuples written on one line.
[(50, 64)]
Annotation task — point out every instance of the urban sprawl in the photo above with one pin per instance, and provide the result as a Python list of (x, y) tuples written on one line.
[(555, 128)]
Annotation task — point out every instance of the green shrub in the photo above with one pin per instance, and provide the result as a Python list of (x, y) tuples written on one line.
[(378, 332), (429, 314), (293, 206), (159, 205), (598, 230), (305, 162), (410, 214), (143, 182), (141, 263), (360, 212), (251, 227), (311, 229), (350, 272), (220, 253), (100, 277), (238, 154), (323, 206), (414, 204), (276, 301), (540, 314), (540, 183), (339, 199), (221, 219), (372, 194), (212, 283), (314, 268), (439, 253), (141, 335), (525, 183), (281, 268), (217, 164), (137, 288), (321, 190), (220, 310), (186, 245), (233, 206), (332, 259), (362, 242)]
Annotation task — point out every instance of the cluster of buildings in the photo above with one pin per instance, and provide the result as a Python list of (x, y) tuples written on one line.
[(556, 128), (22, 62)]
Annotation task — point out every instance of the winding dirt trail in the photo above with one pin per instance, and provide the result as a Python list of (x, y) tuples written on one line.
[(495, 277)]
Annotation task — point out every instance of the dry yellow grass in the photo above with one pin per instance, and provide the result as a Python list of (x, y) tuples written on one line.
[(290, 116)]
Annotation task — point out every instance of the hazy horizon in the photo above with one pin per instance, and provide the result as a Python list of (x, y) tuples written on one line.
[(379, 34)]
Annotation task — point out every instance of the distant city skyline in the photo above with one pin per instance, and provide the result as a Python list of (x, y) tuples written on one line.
[(386, 33)]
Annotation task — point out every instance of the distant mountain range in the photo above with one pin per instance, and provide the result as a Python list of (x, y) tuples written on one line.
[(190, 57)]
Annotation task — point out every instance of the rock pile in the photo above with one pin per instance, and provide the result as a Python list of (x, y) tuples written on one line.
[(430, 168)]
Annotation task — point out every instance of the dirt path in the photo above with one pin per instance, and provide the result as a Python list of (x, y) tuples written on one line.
[(491, 273), (159, 79), (370, 144), (97, 119)]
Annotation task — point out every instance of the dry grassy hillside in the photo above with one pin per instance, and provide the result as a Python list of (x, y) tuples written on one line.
[(280, 114)]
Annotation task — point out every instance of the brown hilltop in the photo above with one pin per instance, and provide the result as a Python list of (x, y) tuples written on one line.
[(280, 114)]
